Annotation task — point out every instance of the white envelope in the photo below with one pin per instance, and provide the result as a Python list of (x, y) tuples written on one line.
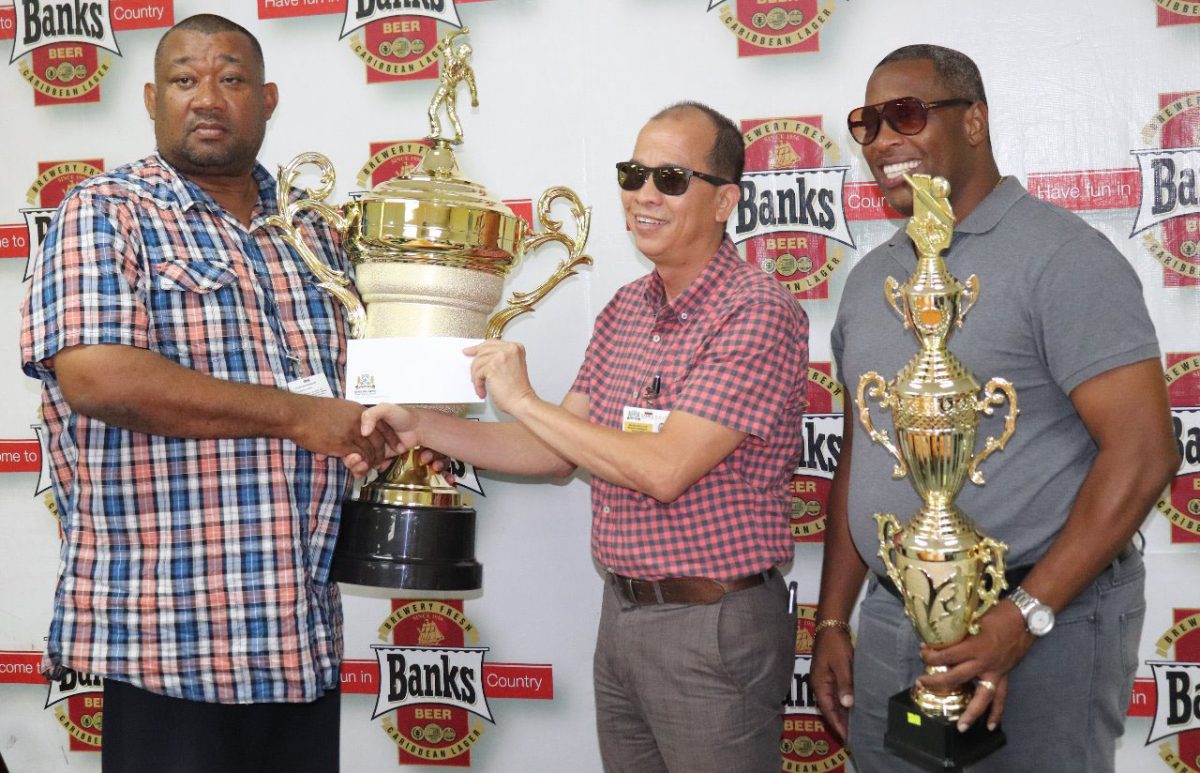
[(410, 370)]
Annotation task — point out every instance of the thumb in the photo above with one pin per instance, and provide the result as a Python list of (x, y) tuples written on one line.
[(368, 421)]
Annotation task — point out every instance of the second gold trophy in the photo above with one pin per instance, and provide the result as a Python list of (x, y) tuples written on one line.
[(947, 571)]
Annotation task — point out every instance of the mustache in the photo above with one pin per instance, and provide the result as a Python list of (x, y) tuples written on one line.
[(214, 119)]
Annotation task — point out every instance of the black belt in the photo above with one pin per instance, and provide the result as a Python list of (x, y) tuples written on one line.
[(1013, 576), (683, 590)]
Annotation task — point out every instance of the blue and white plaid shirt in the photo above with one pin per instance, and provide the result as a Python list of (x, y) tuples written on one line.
[(197, 569)]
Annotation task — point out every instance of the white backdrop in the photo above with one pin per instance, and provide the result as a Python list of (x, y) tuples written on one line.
[(564, 87)]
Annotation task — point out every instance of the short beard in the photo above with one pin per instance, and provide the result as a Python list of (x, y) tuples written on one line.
[(231, 160)]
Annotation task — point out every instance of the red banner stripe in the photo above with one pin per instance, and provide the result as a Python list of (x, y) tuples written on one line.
[(20, 668), (500, 680), (20, 456), (13, 241), (864, 201), (8, 22), (1087, 189)]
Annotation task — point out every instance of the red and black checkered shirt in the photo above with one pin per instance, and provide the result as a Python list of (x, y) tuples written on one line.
[(732, 348)]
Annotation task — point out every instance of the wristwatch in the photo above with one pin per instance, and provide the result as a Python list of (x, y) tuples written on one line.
[(1039, 618)]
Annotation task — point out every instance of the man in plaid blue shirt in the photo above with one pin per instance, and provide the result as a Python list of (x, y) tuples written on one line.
[(189, 366), (687, 413)]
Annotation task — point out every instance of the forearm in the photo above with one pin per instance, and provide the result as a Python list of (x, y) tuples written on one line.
[(139, 390), (505, 447), (842, 568), (635, 460), (1113, 502), (1127, 414)]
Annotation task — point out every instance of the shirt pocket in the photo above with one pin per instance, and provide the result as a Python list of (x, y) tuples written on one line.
[(196, 276), (199, 317)]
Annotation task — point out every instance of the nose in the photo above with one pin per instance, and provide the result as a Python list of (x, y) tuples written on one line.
[(206, 95), (649, 192)]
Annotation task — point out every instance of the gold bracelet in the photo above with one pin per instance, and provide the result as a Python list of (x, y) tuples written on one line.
[(831, 622)]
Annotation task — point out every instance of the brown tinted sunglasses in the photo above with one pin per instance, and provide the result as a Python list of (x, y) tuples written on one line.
[(906, 115)]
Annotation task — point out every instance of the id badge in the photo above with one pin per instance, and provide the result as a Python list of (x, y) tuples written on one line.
[(636, 419), (314, 386)]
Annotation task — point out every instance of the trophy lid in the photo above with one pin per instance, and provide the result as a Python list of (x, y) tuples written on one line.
[(432, 214)]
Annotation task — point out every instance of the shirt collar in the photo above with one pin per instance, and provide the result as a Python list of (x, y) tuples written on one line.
[(191, 195), (697, 293), (986, 216)]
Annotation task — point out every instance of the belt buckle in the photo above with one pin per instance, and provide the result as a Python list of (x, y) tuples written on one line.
[(626, 584)]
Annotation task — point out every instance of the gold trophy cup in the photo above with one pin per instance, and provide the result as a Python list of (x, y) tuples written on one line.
[(430, 251), (948, 573)]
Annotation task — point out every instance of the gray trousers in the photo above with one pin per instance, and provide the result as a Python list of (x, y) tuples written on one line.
[(1067, 698), (694, 688)]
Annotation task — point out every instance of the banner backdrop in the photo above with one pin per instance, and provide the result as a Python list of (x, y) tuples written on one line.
[(1095, 106)]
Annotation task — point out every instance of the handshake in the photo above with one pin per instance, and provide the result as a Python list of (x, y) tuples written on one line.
[(386, 431)]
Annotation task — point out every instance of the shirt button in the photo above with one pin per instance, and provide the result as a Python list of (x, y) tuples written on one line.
[(656, 338), (683, 315), (606, 510)]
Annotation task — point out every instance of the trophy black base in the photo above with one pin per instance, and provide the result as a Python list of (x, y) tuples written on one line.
[(407, 547), (934, 743)]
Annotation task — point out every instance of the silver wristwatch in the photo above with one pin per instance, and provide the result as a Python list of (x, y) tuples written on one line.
[(1039, 618)]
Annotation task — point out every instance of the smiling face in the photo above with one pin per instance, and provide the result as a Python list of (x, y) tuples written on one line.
[(209, 104), (952, 144), (673, 231)]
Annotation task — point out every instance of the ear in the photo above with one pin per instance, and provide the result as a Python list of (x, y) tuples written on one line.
[(270, 98), (727, 199), (975, 121), (150, 97)]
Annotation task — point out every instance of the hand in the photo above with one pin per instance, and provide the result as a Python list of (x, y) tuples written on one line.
[(499, 370), (831, 675), (987, 656), (399, 426), (332, 427)]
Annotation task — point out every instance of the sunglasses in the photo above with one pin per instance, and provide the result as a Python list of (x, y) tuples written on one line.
[(906, 116), (669, 180)]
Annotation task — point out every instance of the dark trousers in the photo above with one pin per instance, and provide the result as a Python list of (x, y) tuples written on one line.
[(149, 733)]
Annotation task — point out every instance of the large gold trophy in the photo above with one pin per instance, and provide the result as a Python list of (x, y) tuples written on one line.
[(948, 573), (430, 251)]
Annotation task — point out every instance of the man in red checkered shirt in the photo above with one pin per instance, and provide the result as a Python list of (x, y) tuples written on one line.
[(687, 413)]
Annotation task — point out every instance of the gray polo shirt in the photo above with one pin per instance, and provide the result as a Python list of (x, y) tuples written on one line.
[(1058, 304)]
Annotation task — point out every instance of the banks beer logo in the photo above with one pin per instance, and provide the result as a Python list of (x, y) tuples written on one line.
[(430, 683), (64, 37), (1177, 12), (807, 744), (1177, 693), (398, 50), (820, 448), (360, 13), (766, 27), (791, 203), (83, 715), (43, 23), (1181, 503), (1169, 202), (55, 179)]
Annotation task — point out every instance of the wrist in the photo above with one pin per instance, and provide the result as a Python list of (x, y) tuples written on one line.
[(831, 624)]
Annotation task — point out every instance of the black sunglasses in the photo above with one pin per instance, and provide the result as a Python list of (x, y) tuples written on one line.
[(906, 115), (670, 180)]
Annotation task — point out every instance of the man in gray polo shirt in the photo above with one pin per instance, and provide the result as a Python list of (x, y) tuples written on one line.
[(1061, 315)]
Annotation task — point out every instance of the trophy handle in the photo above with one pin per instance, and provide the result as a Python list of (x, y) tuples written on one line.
[(519, 303), (966, 300), (880, 390), (994, 393), (332, 281), (991, 553), (889, 528), (892, 294)]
